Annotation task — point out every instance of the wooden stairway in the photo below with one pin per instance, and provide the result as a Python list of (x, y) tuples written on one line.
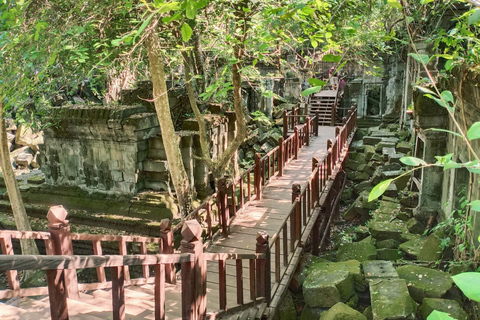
[(323, 103)]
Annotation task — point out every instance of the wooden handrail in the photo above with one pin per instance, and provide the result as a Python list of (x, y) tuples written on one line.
[(232, 256), (67, 262)]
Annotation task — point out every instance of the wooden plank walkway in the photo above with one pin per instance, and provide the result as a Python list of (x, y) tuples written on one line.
[(267, 214)]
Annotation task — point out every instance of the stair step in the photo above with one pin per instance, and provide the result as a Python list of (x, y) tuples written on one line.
[(253, 313), (244, 315)]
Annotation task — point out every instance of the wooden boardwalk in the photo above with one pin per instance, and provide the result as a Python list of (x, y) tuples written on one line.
[(267, 214)]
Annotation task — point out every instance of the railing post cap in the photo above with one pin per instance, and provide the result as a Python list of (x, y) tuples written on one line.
[(262, 237), (57, 215), (191, 231), (165, 224), (296, 187)]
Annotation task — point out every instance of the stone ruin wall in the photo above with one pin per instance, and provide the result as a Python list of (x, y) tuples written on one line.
[(119, 150)]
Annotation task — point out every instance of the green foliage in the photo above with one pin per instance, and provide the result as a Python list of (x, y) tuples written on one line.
[(412, 161), (379, 189), (469, 283), (474, 131), (439, 315)]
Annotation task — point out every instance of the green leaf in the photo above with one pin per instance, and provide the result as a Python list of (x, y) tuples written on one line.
[(425, 90), (379, 189), (449, 65), (444, 130), (331, 58), (439, 315), (474, 131), (475, 205), (451, 165), (395, 4), (311, 90), (421, 58), (144, 24), (316, 82), (426, 1), (469, 282), (447, 96), (474, 17), (412, 161), (186, 32), (191, 9)]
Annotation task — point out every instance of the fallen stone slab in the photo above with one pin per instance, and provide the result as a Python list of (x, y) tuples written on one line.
[(309, 313), (448, 306), (395, 158), (383, 134), (387, 244), (341, 311), (412, 247), (392, 190), (369, 151), (371, 141), (391, 300), (431, 250), (360, 251), (425, 282), (415, 226), (353, 268), (378, 269), (388, 254), (403, 147), (386, 152), (387, 230), (327, 289)]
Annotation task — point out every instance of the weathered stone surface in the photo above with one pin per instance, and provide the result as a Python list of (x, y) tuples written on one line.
[(403, 147), (286, 310), (431, 250), (351, 164), (409, 200), (371, 141), (321, 266), (448, 306), (387, 230), (24, 159), (310, 313), (362, 186), (360, 251), (378, 269), (415, 226), (25, 136), (425, 282), (361, 176), (390, 300), (392, 190), (362, 232), (387, 244), (395, 158), (383, 134), (412, 247), (368, 313), (325, 290), (369, 151), (360, 208), (388, 254), (391, 174), (341, 311)]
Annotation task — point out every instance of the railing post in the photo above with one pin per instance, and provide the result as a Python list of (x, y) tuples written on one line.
[(257, 178), (306, 109), (12, 275), (263, 266), (166, 247), (307, 131), (316, 180), (222, 203), (316, 123), (295, 143), (334, 112), (59, 229), (295, 223), (194, 274), (329, 157), (281, 156), (285, 124)]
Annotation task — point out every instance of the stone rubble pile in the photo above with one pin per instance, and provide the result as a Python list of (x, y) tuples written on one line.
[(374, 277), (23, 142)]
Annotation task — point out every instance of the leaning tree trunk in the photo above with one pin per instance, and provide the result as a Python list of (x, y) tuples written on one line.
[(170, 140), (19, 214)]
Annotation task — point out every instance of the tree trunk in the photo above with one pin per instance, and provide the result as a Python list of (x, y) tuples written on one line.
[(19, 214), (170, 140)]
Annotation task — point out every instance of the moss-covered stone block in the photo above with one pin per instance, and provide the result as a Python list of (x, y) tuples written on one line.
[(391, 300), (326, 290), (425, 282), (341, 311), (448, 306), (360, 251), (286, 309), (387, 230)]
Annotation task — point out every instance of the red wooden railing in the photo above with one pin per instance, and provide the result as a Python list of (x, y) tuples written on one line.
[(313, 205)]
